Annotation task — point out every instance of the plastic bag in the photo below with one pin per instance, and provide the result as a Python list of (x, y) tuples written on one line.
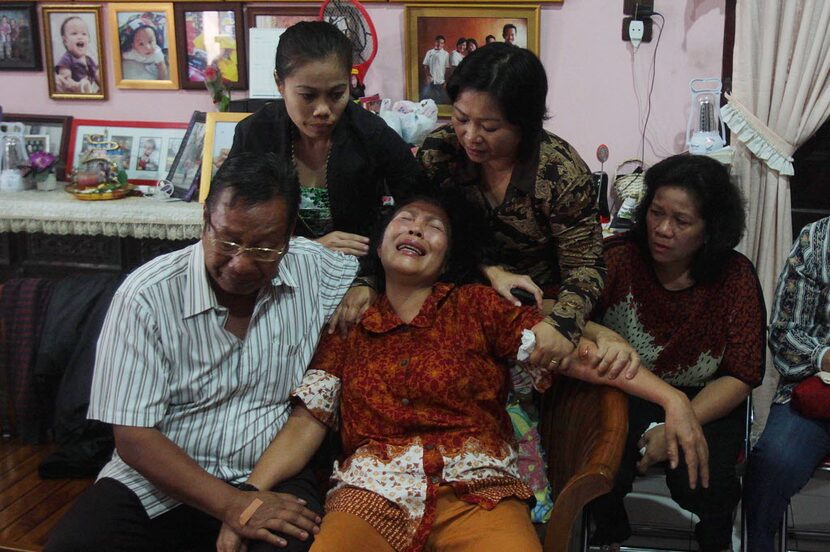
[(411, 120)]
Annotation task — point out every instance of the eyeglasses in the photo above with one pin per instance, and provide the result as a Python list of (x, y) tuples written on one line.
[(259, 254)]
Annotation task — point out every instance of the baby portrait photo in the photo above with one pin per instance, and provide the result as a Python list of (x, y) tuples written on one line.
[(146, 46), (148, 154), (19, 44), (74, 53)]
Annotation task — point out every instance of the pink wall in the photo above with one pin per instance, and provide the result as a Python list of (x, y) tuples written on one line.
[(597, 84)]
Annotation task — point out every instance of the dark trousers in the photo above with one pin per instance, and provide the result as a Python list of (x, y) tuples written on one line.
[(109, 516), (714, 505), (782, 462)]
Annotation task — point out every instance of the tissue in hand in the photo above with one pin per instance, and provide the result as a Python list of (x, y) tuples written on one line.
[(527, 346)]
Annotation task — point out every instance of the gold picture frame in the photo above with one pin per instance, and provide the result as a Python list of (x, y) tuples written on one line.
[(425, 22), (86, 81), (144, 37), (219, 130)]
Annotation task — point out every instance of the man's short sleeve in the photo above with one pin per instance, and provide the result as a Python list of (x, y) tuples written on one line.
[(129, 384)]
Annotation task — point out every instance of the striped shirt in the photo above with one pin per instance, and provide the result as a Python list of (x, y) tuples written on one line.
[(799, 335), (165, 360)]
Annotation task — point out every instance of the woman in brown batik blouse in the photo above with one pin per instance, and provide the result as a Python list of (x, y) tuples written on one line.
[(532, 186)]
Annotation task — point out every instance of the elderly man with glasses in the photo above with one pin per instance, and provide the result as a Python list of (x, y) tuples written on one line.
[(195, 362)]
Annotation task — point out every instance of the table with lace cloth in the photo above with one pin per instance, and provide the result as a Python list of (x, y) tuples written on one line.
[(58, 212), (53, 234)]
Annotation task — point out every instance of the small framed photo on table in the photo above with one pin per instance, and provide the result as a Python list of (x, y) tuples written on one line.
[(183, 173), (144, 37), (219, 132), (56, 127), (138, 147), (36, 142), (211, 35), (19, 37), (74, 52)]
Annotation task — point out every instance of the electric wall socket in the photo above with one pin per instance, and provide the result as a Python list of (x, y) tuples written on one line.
[(647, 24)]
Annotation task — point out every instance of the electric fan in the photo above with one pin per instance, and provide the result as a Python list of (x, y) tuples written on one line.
[(351, 17)]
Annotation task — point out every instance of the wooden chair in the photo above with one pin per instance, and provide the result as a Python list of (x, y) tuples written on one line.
[(583, 429)]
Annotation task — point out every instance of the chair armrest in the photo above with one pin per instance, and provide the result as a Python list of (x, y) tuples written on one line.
[(583, 429)]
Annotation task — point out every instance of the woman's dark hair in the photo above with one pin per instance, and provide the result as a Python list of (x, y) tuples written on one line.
[(254, 179), (719, 202), (472, 41), (466, 231), (312, 41), (516, 78)]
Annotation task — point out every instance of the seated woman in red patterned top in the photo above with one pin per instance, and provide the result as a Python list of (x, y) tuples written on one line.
[(418, 389), (692, 308)]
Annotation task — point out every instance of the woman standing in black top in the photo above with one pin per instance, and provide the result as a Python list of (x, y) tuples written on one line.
[(349, 162)]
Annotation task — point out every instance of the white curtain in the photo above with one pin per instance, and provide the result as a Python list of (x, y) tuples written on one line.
[(780, 97)]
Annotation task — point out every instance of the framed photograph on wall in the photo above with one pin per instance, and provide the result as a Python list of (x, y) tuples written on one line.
[(433, 31), (211, 37), (219, 129), (19, 37), (142, 145), (144, 37), (56, 127), (183, 172), (74, 52), (265, 26), (271, 16)]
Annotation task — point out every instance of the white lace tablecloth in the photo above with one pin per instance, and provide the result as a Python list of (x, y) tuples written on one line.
[(58, 212)]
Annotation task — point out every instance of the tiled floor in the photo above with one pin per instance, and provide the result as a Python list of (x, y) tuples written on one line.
[(650, 506)]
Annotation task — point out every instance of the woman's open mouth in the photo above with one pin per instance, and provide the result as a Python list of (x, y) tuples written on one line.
[(410, 248)]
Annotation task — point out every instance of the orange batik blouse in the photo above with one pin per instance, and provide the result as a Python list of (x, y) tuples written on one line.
[(421, 405)]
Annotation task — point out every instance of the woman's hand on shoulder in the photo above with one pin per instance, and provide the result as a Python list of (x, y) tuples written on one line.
[(356, 301), (504, 282), (351, 244), (682, 431)]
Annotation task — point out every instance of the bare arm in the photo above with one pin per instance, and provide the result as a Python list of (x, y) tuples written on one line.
[(290, 450), (65, 81), (169, 468), (682, 427), (719, 398)]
